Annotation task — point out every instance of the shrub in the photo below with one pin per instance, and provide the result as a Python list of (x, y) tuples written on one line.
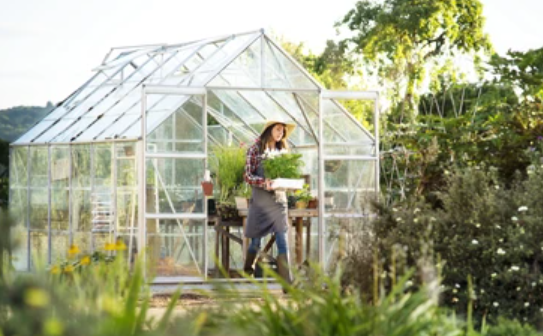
[(483, 230)]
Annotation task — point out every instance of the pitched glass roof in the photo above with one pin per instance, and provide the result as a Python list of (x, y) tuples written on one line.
[(108, 105)]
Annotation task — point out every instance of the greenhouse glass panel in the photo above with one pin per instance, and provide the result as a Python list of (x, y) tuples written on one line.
[(244, 71), (60, 187), (235, 102), (182, 131), (96, 128), (39, 249), (173, 186), (35, 131), (19, 167), (334, 115), (117, 128), (280, 72), (54, 130), (60, 244), (102, 167), (176, 247)]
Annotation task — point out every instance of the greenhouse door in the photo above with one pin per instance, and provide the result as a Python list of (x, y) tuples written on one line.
[(348, 168), (174, 162)]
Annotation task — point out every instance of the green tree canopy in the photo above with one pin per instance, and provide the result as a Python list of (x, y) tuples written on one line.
[(400, 38)]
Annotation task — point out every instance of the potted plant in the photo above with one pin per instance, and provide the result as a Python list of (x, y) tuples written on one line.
[(243, 196), (228, 165), (303, 196)]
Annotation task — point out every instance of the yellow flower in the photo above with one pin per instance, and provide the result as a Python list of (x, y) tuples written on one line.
[(68, 269), (120, 245), (85, 260), (36, 297), (73, 250), (110, 247), (55, 270)]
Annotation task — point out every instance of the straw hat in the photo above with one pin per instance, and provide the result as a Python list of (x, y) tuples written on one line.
[(289, 127)]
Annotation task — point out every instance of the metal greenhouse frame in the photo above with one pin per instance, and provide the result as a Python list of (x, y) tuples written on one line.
[(121, 158)]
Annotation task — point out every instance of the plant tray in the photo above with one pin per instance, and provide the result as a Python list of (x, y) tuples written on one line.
[(283, 183)]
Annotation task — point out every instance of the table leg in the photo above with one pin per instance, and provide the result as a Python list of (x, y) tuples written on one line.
[(308, 240), (227, 265), (245, 244), (299, 235), (217, 245)]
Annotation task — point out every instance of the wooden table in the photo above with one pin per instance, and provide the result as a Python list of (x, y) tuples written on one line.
[(296, 216)]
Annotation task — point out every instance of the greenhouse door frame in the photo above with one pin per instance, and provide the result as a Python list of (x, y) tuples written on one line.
[(143, 214), (346, 95)]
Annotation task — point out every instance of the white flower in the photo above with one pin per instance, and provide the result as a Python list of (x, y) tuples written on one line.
[(493, 275), (394, 209), (416, 220), (399, 219), (515, 268), (523, 208), (534, 284), (474, 242), (497, 187), (495, 304), (432, 219), (526, 304), (416, 210), (514, 219), (478, 225), (501, 251), (457, 285)]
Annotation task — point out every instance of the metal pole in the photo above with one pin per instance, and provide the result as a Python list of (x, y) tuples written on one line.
[(49, 229), (377, 154), (142, 180), (321, 184), (262, 61), (70, 196), (28, 204), (92, 188), (114, 200), (204, 124)]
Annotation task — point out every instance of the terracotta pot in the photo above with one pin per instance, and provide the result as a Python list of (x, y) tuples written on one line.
[(207, 187), (313, 204)]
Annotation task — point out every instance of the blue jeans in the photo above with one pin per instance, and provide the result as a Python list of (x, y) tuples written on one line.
[(280, 240)]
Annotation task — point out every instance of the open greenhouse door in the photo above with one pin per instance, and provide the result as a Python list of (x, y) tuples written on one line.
[(348, 168), (175, 159)]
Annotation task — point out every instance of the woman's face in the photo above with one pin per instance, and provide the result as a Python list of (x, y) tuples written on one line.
[(278, 131)]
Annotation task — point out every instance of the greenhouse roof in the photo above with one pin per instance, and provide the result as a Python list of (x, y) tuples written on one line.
[(108, 106)]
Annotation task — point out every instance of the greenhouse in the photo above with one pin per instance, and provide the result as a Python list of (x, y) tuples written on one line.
[(122, 158)]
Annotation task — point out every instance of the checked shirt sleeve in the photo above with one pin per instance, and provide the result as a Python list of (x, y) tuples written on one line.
[(251, 163)]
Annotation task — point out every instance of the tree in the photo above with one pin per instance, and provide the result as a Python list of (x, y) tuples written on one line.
[(401, 39)]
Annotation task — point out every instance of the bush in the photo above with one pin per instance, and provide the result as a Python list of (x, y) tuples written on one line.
[(483, 230)]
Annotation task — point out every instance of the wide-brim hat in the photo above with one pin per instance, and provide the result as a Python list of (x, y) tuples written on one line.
[(289, 126)]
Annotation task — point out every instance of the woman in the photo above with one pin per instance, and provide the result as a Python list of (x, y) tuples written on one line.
[(266, 215)]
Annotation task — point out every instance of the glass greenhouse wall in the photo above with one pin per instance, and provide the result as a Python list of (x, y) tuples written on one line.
[(122, 158)]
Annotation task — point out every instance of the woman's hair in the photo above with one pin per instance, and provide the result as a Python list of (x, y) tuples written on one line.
[(266, 136)]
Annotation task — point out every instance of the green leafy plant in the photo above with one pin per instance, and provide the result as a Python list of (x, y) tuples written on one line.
[(287, 165), (303, 195), (228, 165)]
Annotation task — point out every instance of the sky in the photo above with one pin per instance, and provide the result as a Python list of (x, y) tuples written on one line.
[(48, 48)]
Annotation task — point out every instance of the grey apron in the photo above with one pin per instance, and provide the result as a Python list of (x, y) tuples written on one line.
[(265, 214)]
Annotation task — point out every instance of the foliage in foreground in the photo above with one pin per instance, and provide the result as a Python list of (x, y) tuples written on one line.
[(98, 296)]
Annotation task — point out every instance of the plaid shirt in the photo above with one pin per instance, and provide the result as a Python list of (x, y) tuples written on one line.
[(253, 160)]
